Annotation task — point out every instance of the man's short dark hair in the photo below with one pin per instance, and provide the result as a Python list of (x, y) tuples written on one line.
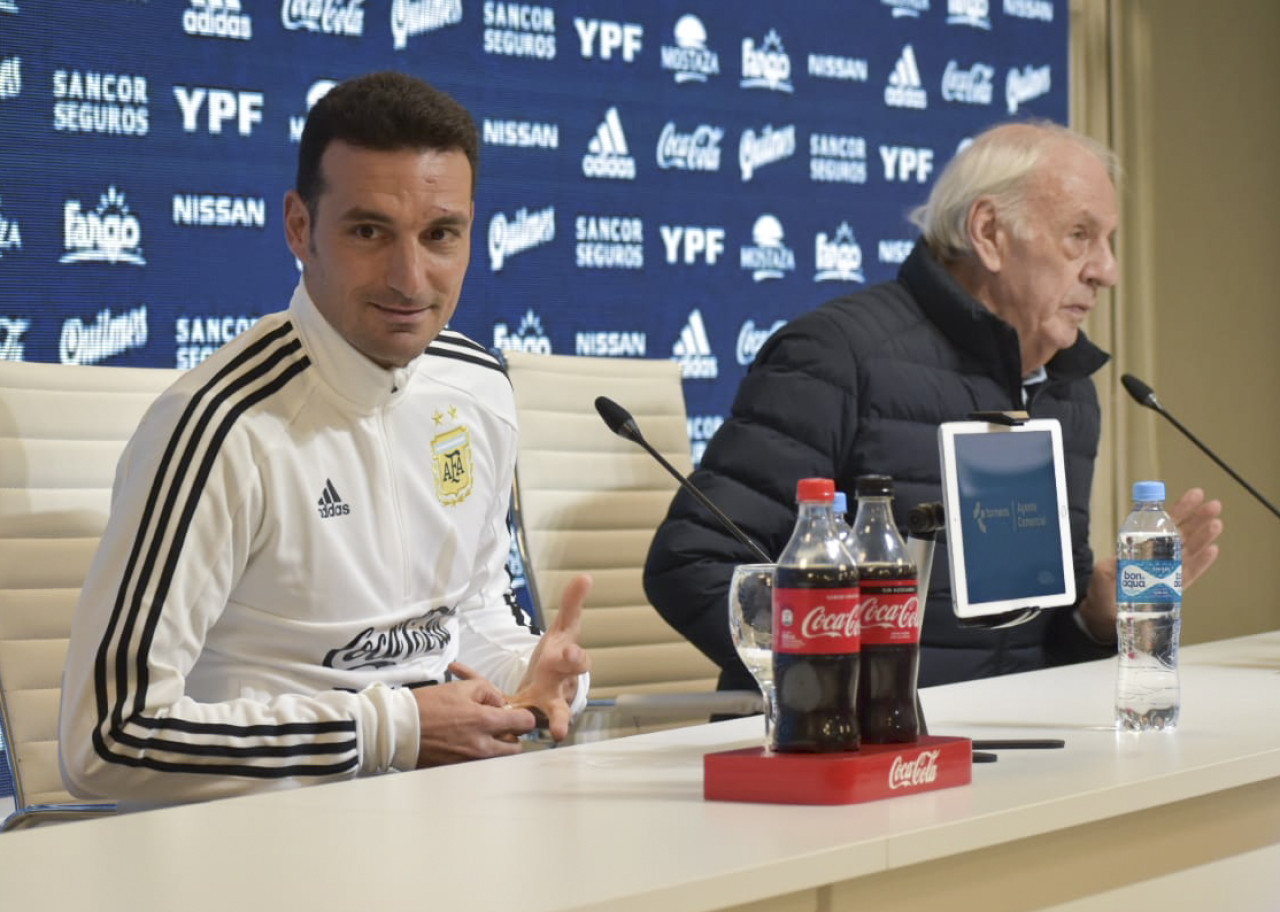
[(385, 112)]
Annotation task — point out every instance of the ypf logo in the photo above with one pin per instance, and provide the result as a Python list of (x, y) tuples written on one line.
[(603, 38), (220, 106), (692, 244), (906, 163)]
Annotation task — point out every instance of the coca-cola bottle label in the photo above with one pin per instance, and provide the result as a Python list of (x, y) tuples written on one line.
[(890, 612), (816, 621)]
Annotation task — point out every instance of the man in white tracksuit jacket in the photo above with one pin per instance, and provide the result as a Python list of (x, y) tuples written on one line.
[(308, 531)]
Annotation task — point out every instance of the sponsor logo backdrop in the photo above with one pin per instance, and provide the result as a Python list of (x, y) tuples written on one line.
[(660, 179)]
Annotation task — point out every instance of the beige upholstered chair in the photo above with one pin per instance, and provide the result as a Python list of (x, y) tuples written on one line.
[(589, 501), (62, 429)]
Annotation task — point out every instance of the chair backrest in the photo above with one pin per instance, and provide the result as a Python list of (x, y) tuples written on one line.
[(588, 501), (62, 429)]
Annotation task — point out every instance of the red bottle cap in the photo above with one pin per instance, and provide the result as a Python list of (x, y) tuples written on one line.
[(822, 490)]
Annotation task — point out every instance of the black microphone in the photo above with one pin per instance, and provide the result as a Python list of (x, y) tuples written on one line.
[(622, 424), (1146, 396)]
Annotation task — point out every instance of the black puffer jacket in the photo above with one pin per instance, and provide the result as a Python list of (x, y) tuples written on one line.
[(859, 386)]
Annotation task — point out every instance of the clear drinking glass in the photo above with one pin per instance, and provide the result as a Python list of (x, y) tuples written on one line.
[(751, 627)]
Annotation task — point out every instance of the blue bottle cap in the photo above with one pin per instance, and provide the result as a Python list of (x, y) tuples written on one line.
[(1148, 490), (841, 504)]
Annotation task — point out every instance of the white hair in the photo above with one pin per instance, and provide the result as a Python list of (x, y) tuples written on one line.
[(998, 165)]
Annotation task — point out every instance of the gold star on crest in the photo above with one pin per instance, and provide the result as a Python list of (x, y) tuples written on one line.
[(437, 417)]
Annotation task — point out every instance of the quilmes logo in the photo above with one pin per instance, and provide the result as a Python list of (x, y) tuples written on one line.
[(1029, 9), (608, 242), (105, 337), (971, 86), (905, 90), (522, 134), (695, 151), (768, 257), (10, 77), (766, 67), (837, 159), (10, 234), (689, 59), (523, 231), (93, 102), (607, 154), (217, 19), (973, 13), (318, 90), (528, 337), (908, 8), (330, 504), (216, 210), (410, 18), (12, 329), (1026, 84), (109, 233), (693, 350), (520, 30), (325, 17), (765, 148), (839, 258), (751, 339)]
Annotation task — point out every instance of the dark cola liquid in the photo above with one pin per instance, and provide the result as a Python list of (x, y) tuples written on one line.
[(887, 686), (817, 694)]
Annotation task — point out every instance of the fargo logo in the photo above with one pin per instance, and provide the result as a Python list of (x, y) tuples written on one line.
[(109, 233), (605, 38), (839, 258), (766, 67), (689, 59), (528, 337), (217, 19), (692, 244)]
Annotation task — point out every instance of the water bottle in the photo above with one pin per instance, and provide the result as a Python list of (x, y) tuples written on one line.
[(1148, 613)]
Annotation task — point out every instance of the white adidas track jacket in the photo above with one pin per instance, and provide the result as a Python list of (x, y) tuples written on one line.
[(295, 534)]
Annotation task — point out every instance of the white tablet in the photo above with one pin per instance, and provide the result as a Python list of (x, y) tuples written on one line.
[(1004, 493)]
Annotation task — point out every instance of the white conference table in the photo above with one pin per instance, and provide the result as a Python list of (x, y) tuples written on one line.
[(1187, 820)]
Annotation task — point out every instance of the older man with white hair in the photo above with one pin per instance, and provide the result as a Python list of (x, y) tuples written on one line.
[(985, 315)]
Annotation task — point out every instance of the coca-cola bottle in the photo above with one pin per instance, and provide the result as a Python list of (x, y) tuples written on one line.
[(815, 631), (890, 618)]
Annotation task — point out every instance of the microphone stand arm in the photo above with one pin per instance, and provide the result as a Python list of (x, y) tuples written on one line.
[(1208, 452)]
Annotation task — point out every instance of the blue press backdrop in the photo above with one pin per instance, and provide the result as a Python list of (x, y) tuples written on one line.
[(658, 179)]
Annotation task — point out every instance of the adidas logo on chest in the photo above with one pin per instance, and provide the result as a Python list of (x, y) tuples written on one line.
[(330, 504)]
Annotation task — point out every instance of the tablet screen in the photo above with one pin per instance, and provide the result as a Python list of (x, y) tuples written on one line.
[(1004, 491)]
